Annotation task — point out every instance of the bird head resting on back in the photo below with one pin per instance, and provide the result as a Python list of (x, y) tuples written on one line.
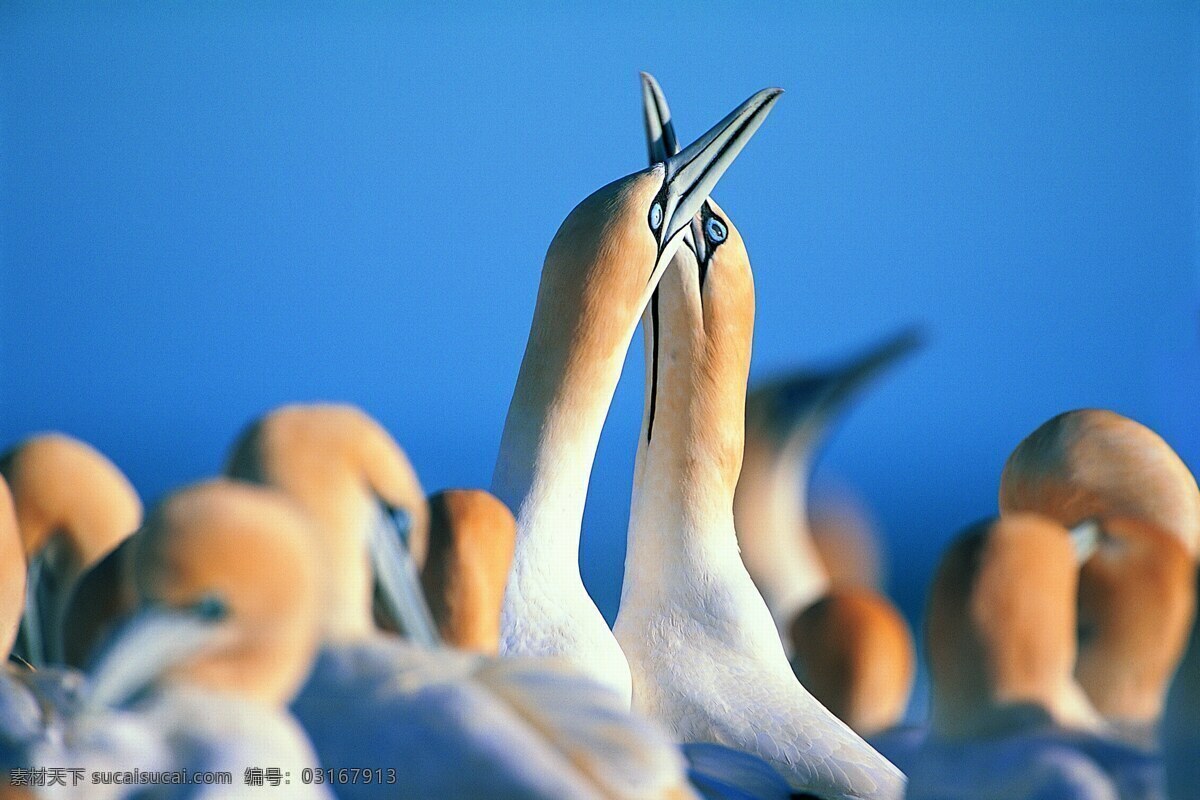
[(1000, 630), (1136, 596), (338, 465), (600, 270), (73, 507)]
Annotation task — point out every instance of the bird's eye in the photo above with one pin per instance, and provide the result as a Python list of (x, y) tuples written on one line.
[(656, 215), (715, 230)]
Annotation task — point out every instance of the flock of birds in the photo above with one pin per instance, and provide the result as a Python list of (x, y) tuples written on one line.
[(313, 612)]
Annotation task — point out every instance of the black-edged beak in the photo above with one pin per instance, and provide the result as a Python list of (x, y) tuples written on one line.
[(692, 173), (147, 645), (801, 407), (396, 576), (661, 144)]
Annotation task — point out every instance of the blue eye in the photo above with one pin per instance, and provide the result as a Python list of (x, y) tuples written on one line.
[(656, 215), (715, 230)]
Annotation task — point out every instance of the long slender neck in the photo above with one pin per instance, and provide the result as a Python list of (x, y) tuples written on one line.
[(550, 439), (772, 518), (690, 450), (595, 282)]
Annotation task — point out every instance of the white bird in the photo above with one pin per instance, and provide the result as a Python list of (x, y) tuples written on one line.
[(1008, 718), (73, 507), (1137, 593), (440, 723), (787, 422), (704, 652), (198, 679), (68, 506), (849, 645), (599, 273)]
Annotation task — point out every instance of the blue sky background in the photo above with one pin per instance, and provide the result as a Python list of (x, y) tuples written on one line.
[(209, 211)]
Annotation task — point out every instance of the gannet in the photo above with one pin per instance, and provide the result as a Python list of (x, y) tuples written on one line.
[(73, 506), (1009, 719), (704, 653), (1095, 463), (787, 422), (1137, 594), (349, 475), (471, 540), (857, 654), (449, 723), (224, 632), (599, 273), (854, 651)]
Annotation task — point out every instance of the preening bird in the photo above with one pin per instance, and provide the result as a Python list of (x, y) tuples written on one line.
[(600, 271), (705, 656), (454, 724), (351, 477), (1008, 717), (73, 507), (1137, 593), (200, 676)]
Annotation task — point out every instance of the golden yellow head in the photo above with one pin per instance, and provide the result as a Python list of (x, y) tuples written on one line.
[(66, 489), (1096, 464), (471, 540), (334, 461), (253, 550), (854, 651), (1000, 623)]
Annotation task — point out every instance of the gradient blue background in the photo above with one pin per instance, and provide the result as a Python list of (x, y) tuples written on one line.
[(209, 212)]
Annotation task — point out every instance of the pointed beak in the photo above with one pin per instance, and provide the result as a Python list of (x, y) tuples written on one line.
[(692, 173), (1085, 538), (661, 144), (399, 583), (151, 642), (660, 132), (802, 407)]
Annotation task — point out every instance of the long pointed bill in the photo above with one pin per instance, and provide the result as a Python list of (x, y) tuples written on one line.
[(1085, 538), (399, 584), (33, 637), (661, 142), (692, 173), (146, 646), (803, 405)]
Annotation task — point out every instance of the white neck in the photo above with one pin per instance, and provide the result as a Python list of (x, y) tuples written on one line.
[(549, 443), (773, 531)]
